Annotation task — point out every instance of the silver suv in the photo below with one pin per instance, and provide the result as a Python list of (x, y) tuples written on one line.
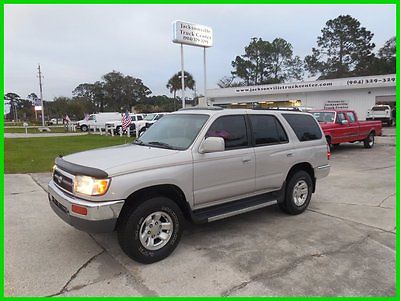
[(200, 165)]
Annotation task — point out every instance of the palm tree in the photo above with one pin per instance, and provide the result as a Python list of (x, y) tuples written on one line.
[(174, 83)]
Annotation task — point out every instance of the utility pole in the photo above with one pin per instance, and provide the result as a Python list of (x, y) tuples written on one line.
[(41, 93)]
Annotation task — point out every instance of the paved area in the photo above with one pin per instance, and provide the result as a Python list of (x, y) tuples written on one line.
[(343, 245)]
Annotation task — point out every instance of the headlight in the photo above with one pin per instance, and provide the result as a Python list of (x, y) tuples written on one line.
[(90, 186)]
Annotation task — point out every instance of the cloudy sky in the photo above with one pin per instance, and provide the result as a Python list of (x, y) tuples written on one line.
[(79, 43)]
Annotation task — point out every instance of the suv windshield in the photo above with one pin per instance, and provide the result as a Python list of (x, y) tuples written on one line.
[(149, 117), (324, 116), (176, 131)]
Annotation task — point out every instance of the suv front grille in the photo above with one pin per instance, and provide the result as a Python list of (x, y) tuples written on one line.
[(63, 181)]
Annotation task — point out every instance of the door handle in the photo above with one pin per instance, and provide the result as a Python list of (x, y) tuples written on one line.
[(246, 159), (289, 155)]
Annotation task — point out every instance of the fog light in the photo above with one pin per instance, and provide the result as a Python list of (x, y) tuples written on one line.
[(80, 210)]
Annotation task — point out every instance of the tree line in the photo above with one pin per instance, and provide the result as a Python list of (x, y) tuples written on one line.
[(343, 49), (115, 92)]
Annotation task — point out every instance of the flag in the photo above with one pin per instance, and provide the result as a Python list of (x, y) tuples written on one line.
[(126, 121), (67, 119)]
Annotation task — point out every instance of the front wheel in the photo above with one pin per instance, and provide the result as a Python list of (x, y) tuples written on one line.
[(298, 193), (84, 128), (369, 141), (151, 231)]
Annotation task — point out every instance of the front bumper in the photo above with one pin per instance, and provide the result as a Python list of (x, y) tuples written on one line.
[(100, 217), (322, 171)]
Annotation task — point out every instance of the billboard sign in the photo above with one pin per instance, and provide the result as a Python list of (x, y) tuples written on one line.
[(192, 34)]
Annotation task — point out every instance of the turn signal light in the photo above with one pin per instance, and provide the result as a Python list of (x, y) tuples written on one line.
[(80, 210)]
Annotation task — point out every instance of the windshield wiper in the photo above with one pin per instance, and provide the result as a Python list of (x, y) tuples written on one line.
[(162, 144)]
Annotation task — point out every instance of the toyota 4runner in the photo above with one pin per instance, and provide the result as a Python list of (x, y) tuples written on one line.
[(198, 164)]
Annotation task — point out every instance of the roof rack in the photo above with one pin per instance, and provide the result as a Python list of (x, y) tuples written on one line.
[(293, 109), (211, 108)]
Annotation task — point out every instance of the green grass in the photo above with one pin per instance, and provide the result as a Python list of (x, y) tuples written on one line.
[(25, 155), (33, 130)]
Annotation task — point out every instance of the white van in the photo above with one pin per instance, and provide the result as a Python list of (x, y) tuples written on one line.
[(96, 121)]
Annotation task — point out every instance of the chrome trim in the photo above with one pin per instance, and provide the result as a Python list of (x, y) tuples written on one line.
[(240, 211), (96, 211), (324, 166)]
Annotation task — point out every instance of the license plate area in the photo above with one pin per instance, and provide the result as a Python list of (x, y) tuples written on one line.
[(59, 205)]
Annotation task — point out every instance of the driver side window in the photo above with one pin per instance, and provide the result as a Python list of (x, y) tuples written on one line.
[(232, 129), (340, 117)]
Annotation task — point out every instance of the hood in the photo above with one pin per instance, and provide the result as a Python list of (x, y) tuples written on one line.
[(112, 157)]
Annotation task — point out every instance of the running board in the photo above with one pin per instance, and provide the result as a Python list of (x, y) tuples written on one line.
[(221, 211)]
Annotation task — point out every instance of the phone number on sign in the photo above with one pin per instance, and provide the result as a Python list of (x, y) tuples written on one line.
[(371, 81)]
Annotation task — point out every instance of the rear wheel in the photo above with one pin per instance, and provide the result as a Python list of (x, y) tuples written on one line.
[(150, 231), (370, 140), (298, 193)]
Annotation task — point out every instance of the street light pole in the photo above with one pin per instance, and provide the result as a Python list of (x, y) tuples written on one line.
[(41, 93)]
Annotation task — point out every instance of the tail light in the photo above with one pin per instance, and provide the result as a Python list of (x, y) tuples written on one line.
[(328, 151)]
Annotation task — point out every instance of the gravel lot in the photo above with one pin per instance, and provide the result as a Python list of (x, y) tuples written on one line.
[(344, 244)]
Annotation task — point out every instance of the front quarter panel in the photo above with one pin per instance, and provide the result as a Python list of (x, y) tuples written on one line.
[(173, 170)]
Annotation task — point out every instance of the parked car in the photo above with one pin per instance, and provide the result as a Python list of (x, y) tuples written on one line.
[(54, 121), (341, 126), (117, 124), (198, 164), (97, 121), (383, 113), (148, 121)]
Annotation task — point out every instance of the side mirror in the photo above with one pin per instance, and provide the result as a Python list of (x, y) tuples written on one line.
[(212, 144)]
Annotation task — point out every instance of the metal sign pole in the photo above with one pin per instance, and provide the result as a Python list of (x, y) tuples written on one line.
[(205, 76), (182, 78)]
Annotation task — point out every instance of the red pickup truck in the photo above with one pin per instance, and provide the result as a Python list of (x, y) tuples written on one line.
[(341, 126)]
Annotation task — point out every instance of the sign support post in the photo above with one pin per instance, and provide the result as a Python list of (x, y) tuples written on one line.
[(193, 35), (182, 78), (205, 76)]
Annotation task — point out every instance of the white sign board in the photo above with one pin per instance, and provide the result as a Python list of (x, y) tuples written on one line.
[(192, 34), (38, 108)]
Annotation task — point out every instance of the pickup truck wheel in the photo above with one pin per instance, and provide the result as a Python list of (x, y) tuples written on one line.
[(298, 193), (151, 231), (84, 128), (369, 141)]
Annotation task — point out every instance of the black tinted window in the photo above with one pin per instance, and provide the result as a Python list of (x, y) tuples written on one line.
[(267, 130), (232, 129), (304, 126)]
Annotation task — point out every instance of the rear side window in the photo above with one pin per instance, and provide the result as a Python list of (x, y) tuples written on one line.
[(232, 129), (267, 130), (139, 117), (304, 126)]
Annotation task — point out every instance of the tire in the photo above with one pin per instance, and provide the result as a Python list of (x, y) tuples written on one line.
[(295, 202), (84, 128), (133, 224), (369, 142)]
